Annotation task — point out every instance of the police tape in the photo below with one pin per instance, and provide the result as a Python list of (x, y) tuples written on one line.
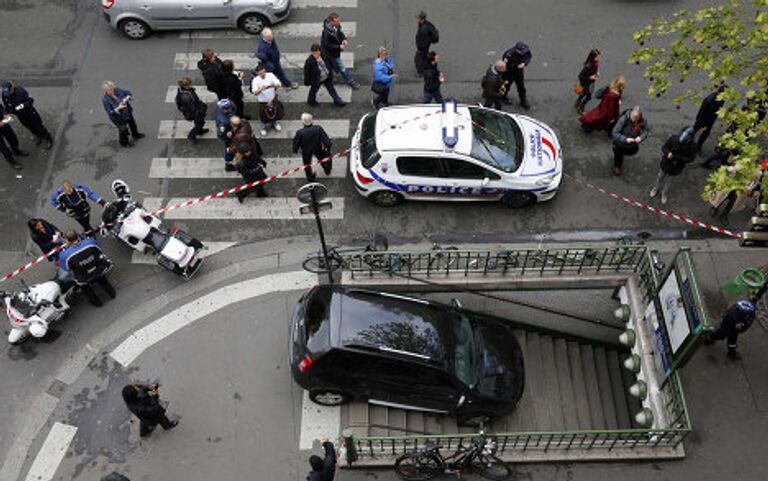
[(651, 208), (227, 192)]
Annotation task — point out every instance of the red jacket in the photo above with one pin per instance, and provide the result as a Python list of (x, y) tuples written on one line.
[(604, 114)]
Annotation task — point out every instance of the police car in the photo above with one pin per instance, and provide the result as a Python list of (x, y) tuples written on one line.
[(454, 153)]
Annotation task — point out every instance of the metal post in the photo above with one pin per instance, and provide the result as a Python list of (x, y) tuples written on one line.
[(349, 442), (316, 211)]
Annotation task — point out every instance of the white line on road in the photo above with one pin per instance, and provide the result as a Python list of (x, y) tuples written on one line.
[(52, 452), (324, 3), (36, 413), (212, 248), (291, 96), (213, 167), (269, 208), (178, 129), (246, 61), (317, 422), (283, 30), (146, 337)]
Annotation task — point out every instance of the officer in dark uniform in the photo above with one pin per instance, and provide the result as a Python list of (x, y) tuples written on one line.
[(72, 199), (736, 321), (87, 264), (9, 143), (517, 59), (144, 402), (17, 101), (323, 469)]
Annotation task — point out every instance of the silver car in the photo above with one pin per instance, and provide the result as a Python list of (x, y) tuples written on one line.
[(138, 18)]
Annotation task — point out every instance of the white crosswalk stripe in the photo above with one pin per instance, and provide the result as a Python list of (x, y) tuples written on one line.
[(228, 208), (178, 129), (298, 95), (324, 3), (283, 30), (213, 167), (247, 61), (211, 248)]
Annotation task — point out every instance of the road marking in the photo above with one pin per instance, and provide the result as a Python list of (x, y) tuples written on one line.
[(52, 452), (213, 167), (269, 208), (36, 414), (247, 61), (149, 335), (283, 30), (213, 247), (290, 96), (178, 129), (318, 422), (324, 3)]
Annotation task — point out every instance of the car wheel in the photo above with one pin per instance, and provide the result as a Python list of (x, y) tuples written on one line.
[(518, 199), (386, 198), (474, 420), (135, 29), (329, 397), (253, 23)]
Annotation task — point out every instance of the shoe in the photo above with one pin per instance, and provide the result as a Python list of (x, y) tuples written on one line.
[(240, 198), (663, 199), (733, 354), (616, 171), (708, 340), (653, 193), (127, 144), (525, 105), (48, 144), (340, 104), (294, 86), (149, 431), (278, 127), (16, 166), (21, 153), (192, 139), (172, 425), (228, 167), (355, 85), (204, 131), (507, 102), (96, 302), (263, 132), (138, 135), (313, 104)]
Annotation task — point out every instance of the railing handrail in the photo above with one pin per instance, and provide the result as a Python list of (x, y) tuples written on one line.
[(650, 432)]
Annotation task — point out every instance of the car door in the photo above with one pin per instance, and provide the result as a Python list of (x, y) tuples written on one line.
[(470, 181), (163, 14), (422, 177), (207, 13)]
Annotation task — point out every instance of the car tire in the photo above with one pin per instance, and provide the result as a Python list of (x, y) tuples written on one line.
[(386, 198), (253, 23), (518, 199), (134, 29), (329, 397)]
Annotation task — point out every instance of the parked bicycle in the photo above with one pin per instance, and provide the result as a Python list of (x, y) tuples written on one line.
[(317, 262), (478, 456)]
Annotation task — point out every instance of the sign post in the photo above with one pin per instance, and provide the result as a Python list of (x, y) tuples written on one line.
[(312, 196)]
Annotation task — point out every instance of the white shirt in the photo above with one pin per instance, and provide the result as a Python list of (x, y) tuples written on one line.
[(266, 95)]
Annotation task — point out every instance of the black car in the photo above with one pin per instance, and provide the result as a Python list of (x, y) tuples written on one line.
[(405, 353)]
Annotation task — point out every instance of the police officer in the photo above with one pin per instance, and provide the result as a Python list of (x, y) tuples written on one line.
[(737, 319), (517, 58), (72, 199), (323, 469), (9, 143), (313, 141), (87, 264), (16, 100), (117, 104), (144, 402)]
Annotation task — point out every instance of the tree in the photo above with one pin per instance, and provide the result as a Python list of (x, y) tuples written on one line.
[(723, 45)]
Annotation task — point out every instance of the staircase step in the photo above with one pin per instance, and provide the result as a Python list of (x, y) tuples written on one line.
[(397, 422), (358, 417), (512, 422), (565, 383), (379, 416), (579, 386), (605, 389), (432, 423), (619, 393), (534, 375), (592, 386), (414, 421), (551, 386)]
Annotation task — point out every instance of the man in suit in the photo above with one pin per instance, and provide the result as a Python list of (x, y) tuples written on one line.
[(316, 73), (313, 141)]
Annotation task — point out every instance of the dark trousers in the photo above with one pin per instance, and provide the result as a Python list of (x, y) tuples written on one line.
[(516, 76), (586, 96), (258, 188), (85, 221), (495, 103), (124, 128), (704, 134), (9, 143), (726, 332), (328, 83), (717, 160), (382, 98), (420, 60), (198, 127), (621, 150), (91, 294), (280, 74), (319, 155), (239, 107), (437, 96), (30, 118), (146, 425)]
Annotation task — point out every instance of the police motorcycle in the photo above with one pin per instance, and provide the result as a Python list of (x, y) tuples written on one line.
[(128, 221), (33, 309)]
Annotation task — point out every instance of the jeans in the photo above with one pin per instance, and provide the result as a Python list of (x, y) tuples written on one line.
[(429, 96), (663, 182), (338, 65), (328, 83)]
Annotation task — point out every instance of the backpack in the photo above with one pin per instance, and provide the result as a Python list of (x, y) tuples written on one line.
[(434, 35)]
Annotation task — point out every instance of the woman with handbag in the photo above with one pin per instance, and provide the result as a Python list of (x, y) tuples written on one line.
[(264, 86), (383, 76), (604, 116), (587, 77)]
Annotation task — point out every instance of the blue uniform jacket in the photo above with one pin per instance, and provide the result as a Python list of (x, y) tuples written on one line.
[(69, 251), (118, 117), (76, 203), (381, 69), (18, 98)]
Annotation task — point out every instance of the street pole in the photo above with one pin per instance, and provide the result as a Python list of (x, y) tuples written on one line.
[(316, 211)]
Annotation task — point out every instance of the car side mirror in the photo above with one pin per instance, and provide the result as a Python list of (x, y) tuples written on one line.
[(485, 182), (462, 401), (456, 303)]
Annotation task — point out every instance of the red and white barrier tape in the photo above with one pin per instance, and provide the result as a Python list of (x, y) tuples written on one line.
[(651, 208)]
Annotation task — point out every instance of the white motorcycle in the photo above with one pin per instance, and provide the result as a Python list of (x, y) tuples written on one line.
[(129, 222), (33, 309)]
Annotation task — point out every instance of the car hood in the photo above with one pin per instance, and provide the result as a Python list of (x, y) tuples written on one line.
[(541, 153), (502, 371)]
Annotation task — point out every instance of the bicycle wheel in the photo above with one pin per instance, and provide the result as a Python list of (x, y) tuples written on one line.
[(418, 466), (318, 265), (491, 467)]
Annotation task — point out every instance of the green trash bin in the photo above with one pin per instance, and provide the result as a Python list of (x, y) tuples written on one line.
[(745, 282)]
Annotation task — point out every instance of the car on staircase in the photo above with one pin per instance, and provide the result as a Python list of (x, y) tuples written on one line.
[(404, 352)]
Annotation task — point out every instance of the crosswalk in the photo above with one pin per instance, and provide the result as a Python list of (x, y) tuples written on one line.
[(294, 30), (178, 129), (212, 167), (248, 60), (298, 95)]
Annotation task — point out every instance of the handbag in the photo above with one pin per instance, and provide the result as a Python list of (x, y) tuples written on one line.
[(378, 87), (578, 89), (273, 111)]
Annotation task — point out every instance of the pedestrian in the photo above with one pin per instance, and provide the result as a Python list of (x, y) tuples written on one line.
[(232, 86), (225, 109), (251, 167), (433, 80), (192, 108), (707, 115), (677, 151), (604, 116), (72, 199), (211, 68), (264, 86), (517, 58), (493, 85), (312, 140), (722, 202), (117, 103), (317, 73), (144, 402), (9, 143), (333, 42), (323, 469), (16, 100), (736, 320), (241, 131), (47, 237), (590, 72), (383, 77), (630, 130), (269, 54), (83, 259), (426, 35)]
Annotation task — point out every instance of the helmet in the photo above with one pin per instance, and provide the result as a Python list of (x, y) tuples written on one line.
[(121, 189), (224, 104), (745, 306)]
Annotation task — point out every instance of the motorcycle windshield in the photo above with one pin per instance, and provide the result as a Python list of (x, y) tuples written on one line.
[(23, 306)]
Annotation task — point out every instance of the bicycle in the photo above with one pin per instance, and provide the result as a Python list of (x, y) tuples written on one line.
[(479, 456), (317, 263)]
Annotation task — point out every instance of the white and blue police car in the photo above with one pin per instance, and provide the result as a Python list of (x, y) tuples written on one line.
[(454, 153)]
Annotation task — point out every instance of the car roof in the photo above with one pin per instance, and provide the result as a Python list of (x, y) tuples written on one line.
[(420, 128)]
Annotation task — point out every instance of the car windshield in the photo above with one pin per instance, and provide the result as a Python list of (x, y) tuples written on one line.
[(369, 154), (464, 353), (496, 139)]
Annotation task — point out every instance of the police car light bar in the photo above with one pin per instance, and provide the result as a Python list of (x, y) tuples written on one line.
[(450, 125)]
